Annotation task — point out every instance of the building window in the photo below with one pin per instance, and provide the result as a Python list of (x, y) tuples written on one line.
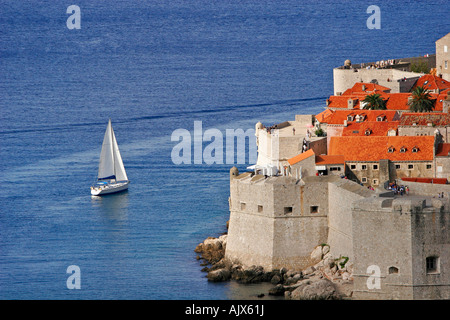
[(446, 64), (397, 166), (363, 179), (445, 48), (432, 264), (260, 208), (380, 118), (375, 167), (353, 166), (415, 149), (314, 209), (428, 166), (287, 210), (410, 166), (349, 118), (393, 270), (391, 149), (403, 149), (363, 167), (375, 181), (243, 205), (335, 168)]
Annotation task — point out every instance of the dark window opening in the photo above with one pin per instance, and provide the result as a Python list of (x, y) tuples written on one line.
[(393, 270), (432, 264), (287, 210), (314, 209)]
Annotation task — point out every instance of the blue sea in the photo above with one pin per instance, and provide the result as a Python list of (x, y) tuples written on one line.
[(154, 67)]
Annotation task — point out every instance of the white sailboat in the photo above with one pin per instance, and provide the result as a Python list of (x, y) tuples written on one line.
[(112, 176)]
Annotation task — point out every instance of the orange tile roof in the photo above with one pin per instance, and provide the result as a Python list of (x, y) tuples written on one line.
[(432, 82), (327, 159), (443, 150), (398, 101), (394, 101), (422, 119), (338, 116), (369, 128), (370, 88), (301, 156), (340, 102), (426, 180), (375, 148), (324, 115)]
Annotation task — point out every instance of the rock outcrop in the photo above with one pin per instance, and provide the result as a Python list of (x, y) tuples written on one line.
[(328, 278)]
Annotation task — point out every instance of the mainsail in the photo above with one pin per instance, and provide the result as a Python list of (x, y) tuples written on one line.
[(111, 165)]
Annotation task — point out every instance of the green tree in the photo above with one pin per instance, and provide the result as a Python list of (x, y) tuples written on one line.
[(374, 102), (421, 100)]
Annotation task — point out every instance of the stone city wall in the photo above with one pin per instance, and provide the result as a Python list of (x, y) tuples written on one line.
[(394, 237)]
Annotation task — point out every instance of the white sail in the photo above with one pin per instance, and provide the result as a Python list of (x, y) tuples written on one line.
[(119, 169), (111, 165)]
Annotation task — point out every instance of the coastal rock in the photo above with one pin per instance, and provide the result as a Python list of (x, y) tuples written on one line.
[(219, 275), (316, 255), (326, 278), (278, 290), (276, 279), (309, 270), (314, 290), (212, 249), (328, 260)]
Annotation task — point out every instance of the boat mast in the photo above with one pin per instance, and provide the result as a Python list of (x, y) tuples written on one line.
[(113, 151)]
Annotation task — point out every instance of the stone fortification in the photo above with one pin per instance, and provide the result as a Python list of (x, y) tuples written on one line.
[(268, 225), (401, 248), (277, 221), (391, 78)]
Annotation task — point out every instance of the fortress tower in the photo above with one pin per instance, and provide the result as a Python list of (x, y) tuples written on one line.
[(401, 248)]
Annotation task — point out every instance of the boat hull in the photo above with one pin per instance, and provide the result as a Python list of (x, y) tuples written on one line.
[(109, 188)]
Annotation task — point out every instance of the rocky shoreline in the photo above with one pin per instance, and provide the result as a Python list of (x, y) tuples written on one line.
[(329, 278)]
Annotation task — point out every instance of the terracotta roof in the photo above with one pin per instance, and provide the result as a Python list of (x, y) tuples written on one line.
[(443, 150), (432, 82), (398, 101), (375, 148), (341, 102), (369, 128), (327, 159), (338, 116), (370, 88), (301, 156), (324, 115), (426, 180), (394, 101), (422, 119)]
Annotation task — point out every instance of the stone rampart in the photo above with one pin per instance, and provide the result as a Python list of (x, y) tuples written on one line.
[(401, 249)]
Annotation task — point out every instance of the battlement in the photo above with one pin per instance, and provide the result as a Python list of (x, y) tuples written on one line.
[(410, 205)]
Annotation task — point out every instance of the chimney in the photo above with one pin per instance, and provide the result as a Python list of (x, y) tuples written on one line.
[(410, 98), (350, 103), (363, 87)]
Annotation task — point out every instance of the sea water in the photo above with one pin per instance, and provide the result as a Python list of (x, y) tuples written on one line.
[(154, 67)]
